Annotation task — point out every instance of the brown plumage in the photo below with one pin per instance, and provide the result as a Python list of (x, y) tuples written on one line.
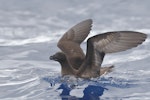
[(72, 58)]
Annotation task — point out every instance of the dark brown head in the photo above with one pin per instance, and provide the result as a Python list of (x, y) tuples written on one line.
[(59, 56)]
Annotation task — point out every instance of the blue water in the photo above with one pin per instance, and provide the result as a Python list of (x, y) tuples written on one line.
[(29, 31)]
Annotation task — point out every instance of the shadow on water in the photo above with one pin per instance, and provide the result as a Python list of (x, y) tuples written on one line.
[(91, 92)]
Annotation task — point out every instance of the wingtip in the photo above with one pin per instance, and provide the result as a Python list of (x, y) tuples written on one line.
[(89, 20), (145, 35)]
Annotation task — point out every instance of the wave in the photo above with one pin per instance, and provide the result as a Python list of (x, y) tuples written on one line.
[(19, 82), (52, 37), (16, 42)]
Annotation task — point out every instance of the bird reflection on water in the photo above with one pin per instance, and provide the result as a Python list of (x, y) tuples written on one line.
[(91, 92), (92, 89)]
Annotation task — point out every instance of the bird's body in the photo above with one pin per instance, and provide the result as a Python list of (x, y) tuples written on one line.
[(75, 62)]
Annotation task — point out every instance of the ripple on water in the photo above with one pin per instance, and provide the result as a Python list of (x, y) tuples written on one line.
[(104, 81), (71, 87)]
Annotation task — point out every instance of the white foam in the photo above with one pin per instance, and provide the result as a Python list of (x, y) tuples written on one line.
[(16, 42), (7, 72), (19, 82)]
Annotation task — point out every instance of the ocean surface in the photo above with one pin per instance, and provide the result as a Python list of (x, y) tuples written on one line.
[(30, 29)]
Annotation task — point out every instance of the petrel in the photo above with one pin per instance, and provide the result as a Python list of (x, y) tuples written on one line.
[(72, 58)]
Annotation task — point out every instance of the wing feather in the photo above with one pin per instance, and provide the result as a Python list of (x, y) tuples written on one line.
[(71, 40), (110, 42), (78, 33), (118, 41)]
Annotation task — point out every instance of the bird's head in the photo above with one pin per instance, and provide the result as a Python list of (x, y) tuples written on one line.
[(59, 56)]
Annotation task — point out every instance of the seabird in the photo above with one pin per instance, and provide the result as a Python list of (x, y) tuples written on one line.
[(72, 58)]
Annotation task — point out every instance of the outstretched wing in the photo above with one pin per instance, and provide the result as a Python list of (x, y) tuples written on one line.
[(110, 42), (71, 40)]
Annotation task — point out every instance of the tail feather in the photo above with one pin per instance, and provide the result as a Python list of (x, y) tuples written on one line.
[(106, 70)]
